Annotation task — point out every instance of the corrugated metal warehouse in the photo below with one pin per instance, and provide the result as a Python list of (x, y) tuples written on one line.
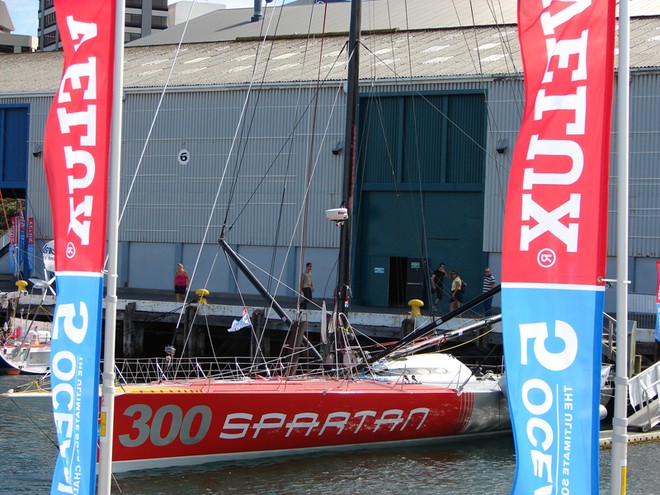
[(243, 125)]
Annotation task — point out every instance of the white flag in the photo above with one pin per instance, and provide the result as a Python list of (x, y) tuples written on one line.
[(242, 323)]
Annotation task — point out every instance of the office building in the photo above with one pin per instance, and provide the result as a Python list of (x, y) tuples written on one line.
[(142, 17)]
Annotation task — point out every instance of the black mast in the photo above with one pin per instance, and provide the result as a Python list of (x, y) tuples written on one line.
[(343, 291)]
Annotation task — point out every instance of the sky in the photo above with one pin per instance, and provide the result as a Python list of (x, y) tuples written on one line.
[(24, 12)]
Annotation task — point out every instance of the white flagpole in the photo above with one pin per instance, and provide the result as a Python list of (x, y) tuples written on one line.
[(620, 420), (108, 388)]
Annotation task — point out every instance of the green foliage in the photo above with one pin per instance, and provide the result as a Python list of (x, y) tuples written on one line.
[(10, 208)]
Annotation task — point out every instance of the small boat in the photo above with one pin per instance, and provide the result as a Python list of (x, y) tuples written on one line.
[(24, 341)]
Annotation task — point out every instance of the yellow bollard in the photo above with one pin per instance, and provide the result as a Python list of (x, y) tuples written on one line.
[(415, 305), (202, 294), (21, 284)]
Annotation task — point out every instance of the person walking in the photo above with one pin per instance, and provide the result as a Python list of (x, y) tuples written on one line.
[(306, 286), (181, 282), (456, 291), (437, 285), (489, 283)]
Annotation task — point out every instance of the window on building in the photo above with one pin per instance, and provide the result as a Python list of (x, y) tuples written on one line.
[(49, 39), (159, 5), (134, 3), (159, 22), (133, 20), (128, 37), (50, 20)]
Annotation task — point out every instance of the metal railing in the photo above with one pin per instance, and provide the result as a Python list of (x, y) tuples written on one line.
[(643, 390), (146, 370), (645, 386), (609, 336)]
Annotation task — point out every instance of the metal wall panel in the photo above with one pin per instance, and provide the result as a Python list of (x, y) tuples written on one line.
[(505, 101), (265, 166), (174, 203), (644, 201)]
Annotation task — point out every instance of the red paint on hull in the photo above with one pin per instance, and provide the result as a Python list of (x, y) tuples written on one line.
[(237, 418)]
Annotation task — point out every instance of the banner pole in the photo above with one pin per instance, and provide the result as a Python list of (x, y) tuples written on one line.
[(108, 387), (620, 420)]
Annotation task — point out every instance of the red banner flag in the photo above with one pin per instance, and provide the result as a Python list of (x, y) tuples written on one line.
[(77, 142), (554, 244), (76, 156)]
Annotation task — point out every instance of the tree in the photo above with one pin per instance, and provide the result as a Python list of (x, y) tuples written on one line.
[(10, 208)]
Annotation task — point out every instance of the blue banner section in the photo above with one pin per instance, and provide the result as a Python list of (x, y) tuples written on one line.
[(75, 356), (22, 247), (13, 264), (30, 247), (30, 260), (552, 347)]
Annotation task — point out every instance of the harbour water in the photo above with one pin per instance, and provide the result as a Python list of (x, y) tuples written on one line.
[(28, 452)]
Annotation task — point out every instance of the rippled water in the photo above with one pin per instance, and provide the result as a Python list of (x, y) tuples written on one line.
[(28, 456)]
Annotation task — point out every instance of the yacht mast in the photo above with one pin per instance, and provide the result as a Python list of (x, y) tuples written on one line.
[(343, 291)]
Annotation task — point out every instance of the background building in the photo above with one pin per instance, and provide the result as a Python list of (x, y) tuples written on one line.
[(244, 136), (142, 17), (13, 43), (183, 10)]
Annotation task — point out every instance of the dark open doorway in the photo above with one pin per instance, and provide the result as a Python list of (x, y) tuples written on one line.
[(406, 280)]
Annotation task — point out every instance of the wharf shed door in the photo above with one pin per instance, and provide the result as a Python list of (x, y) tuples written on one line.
[(416, 271), (419, 187), (14, 137), (378, 281), (393, 281)]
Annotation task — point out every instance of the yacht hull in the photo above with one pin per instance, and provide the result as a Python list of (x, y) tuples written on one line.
[(174, 424)]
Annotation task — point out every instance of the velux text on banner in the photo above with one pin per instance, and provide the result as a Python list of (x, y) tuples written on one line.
[(554, 244), (76, 153)]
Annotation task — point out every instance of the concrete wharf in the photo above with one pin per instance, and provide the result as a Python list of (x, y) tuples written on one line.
[(149, 318)]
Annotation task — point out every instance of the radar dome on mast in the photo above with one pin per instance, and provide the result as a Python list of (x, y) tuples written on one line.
[(337, 215)]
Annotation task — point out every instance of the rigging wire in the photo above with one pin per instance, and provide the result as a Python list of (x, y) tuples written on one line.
[(227, 161), (313, 163), (4, 209), (391, 64), (288, 142), (479, 68), (310, 161), (421, 229), (156, 113), (53, 441), (311, 167), (509, 57), (257, 337), (148, 138), (230, 154)]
